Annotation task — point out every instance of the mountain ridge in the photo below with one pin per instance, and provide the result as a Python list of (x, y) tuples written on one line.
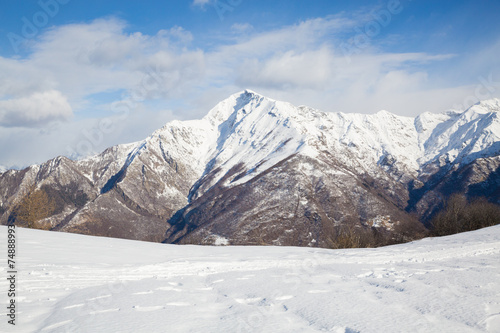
[(350, 160)]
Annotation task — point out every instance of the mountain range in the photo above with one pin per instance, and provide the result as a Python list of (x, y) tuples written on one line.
[(259, 171)]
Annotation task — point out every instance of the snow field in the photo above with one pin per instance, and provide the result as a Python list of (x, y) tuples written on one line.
[(74, 283)]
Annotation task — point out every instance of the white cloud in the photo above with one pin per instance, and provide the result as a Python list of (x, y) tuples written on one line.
[(85, 59), (304, 64), (34, 110), (82, 69), (201, 3), (299, 37), (309, 69)]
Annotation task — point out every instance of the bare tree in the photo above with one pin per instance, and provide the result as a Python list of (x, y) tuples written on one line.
[(34, 206), (459, 215), (351, 234)]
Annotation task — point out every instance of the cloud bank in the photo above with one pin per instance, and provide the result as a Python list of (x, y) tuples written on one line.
[(76, 73)]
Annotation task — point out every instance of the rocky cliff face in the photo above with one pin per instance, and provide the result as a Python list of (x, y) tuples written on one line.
[(259, 171)]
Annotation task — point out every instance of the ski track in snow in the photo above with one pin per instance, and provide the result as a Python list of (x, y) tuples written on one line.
[(74, 283)]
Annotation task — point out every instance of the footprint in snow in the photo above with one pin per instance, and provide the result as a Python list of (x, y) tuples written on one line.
[(284, 298), (318, 291), (98, 297), (176, 284), (169, 288), (365, 275), (178, 304), (143, 292), (147, 308)]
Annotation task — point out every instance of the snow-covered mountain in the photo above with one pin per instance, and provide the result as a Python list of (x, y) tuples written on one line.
[(260, 171)]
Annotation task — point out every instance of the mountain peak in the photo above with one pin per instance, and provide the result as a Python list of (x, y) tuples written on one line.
[(385, 113), (226, 108), (486, 106), (250, 93)]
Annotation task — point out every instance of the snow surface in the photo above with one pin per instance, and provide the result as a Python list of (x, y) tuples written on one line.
[(75, 283)]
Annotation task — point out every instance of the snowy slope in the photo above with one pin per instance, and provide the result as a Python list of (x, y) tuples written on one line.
[(74, 283), (465, 136), (252, 121)]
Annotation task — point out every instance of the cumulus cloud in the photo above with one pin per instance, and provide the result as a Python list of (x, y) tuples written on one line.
[(309, 69), (305, 64), (34, 110), (82, 69), (100, 57)]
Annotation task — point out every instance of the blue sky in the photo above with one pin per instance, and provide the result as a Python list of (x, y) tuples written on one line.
[(79, 76)]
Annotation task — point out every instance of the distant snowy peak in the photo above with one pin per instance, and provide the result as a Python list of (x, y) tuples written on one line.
[(453, 137), (256, 132), (487, 106)]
